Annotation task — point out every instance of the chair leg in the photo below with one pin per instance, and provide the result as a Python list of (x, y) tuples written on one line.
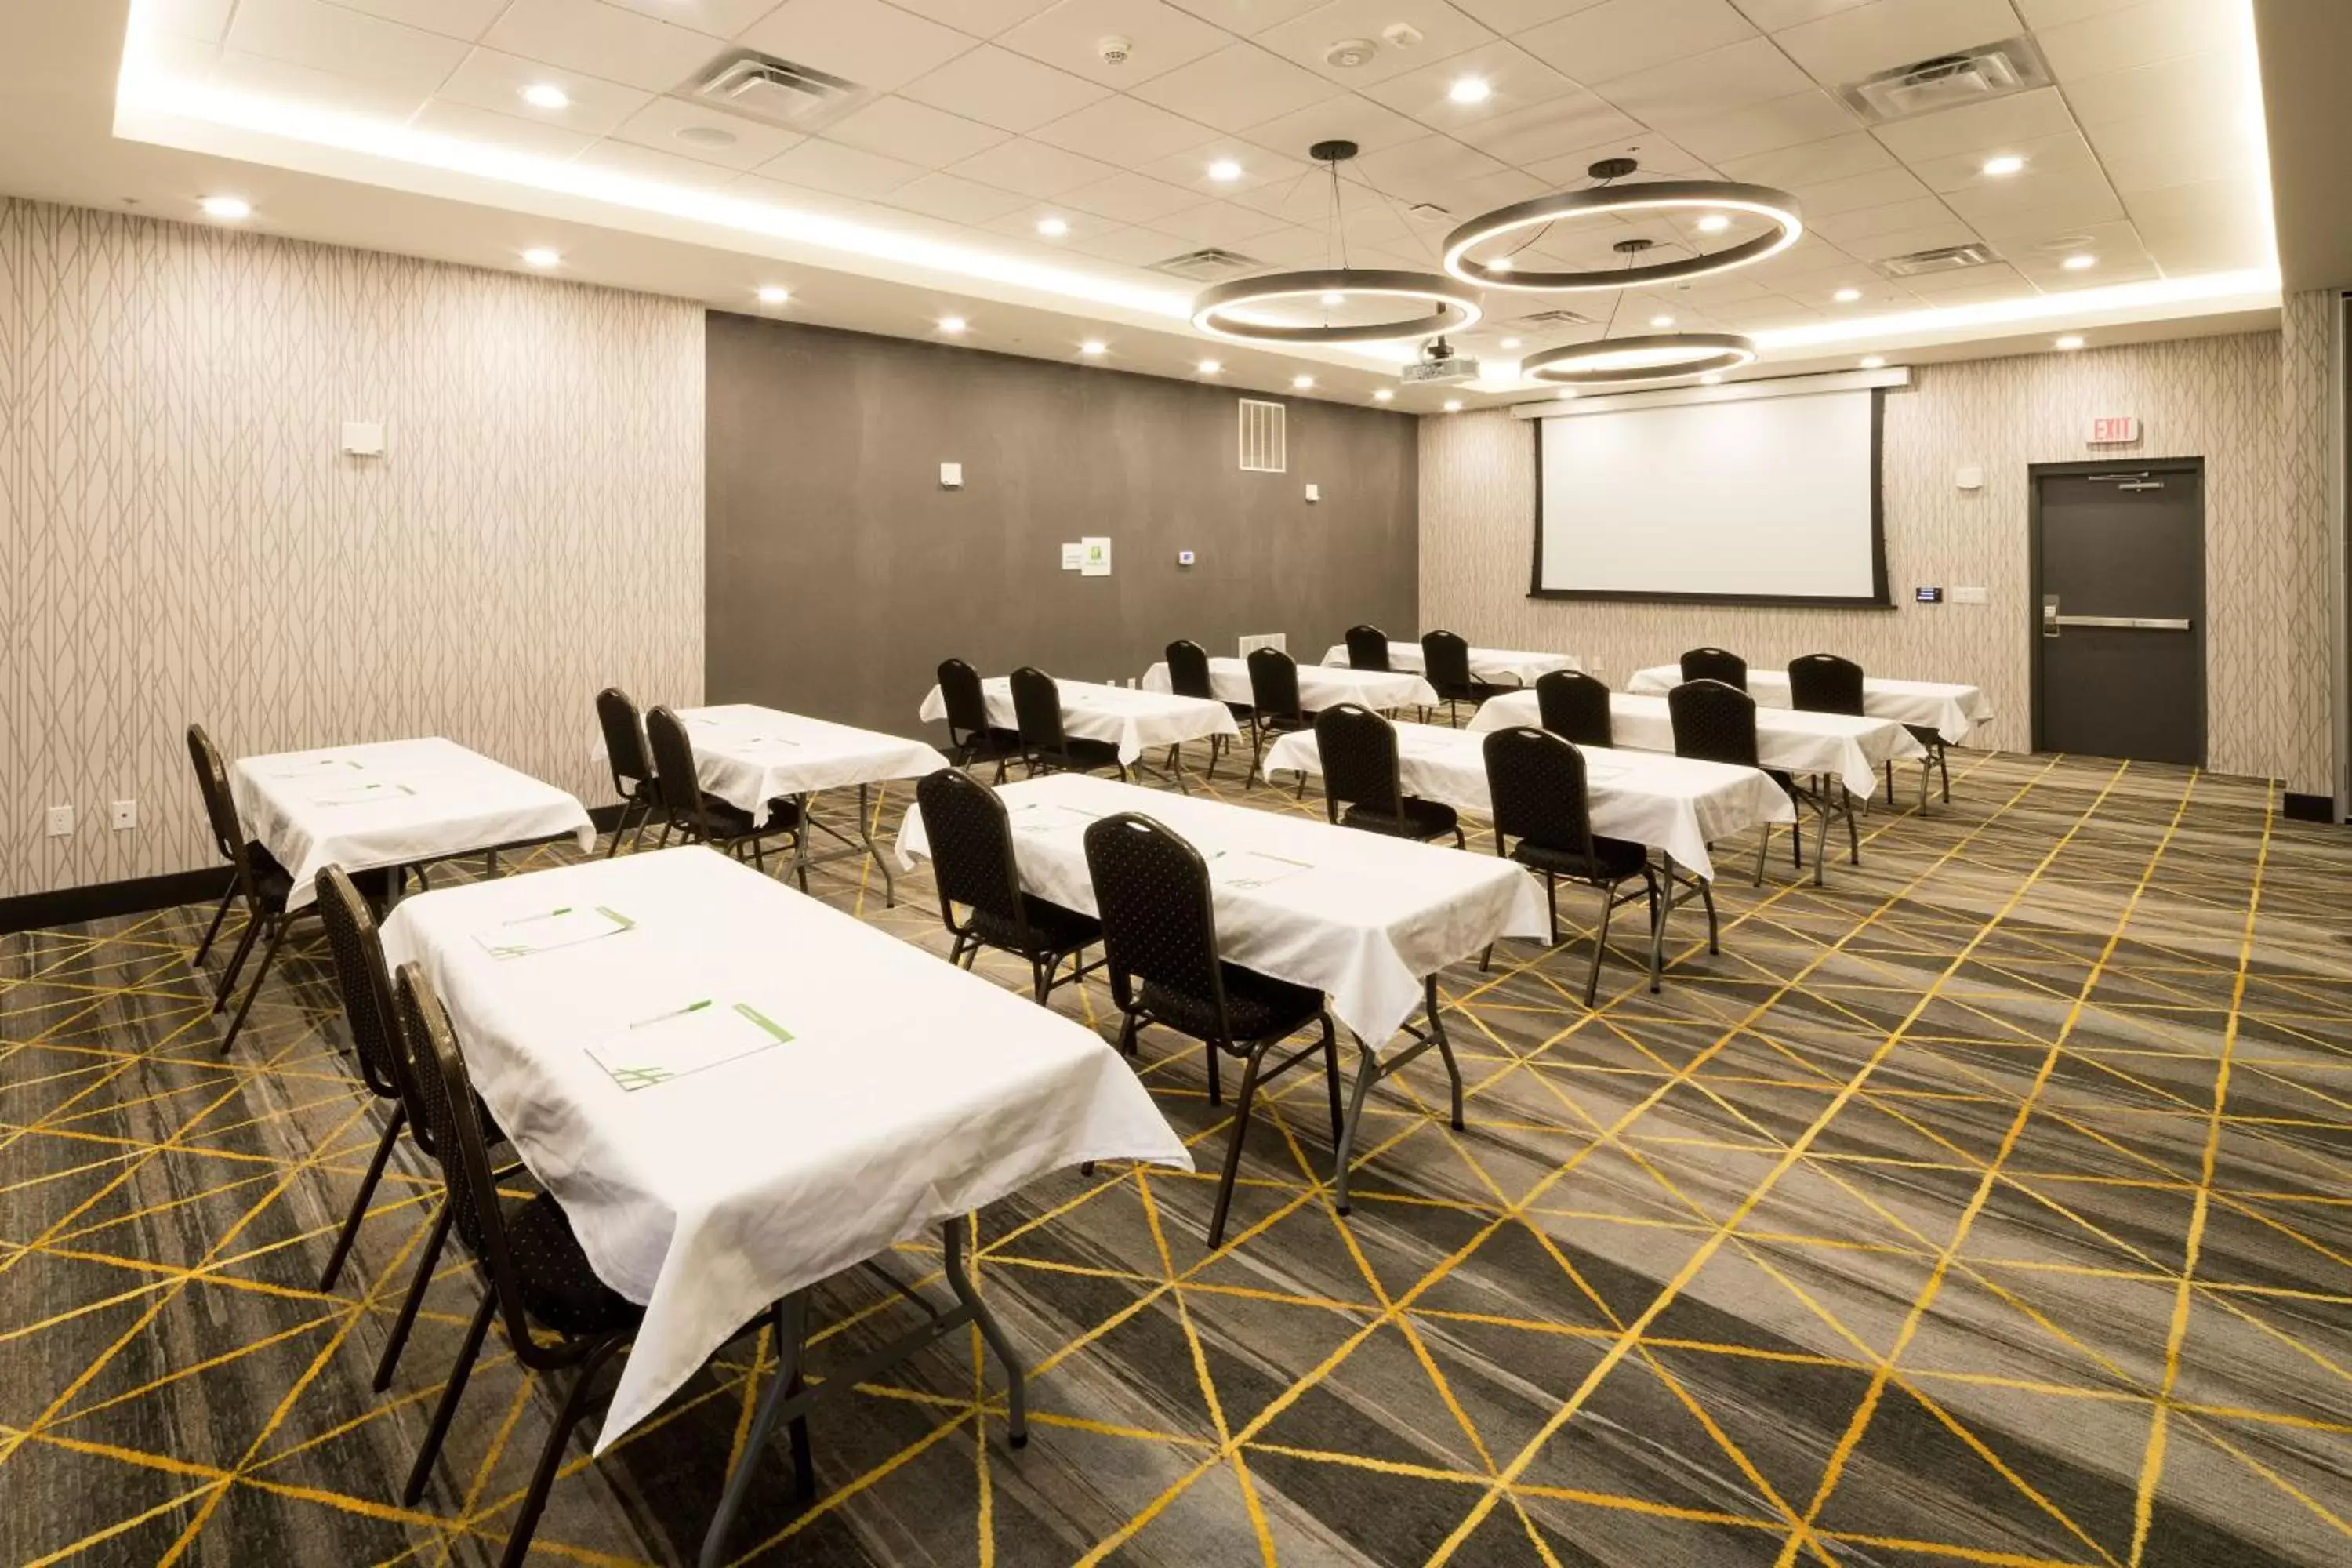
[(349, 1233), (1127, 1036), (253, 923), (220, 913), (1944, 769), (1707, 897), (1890, 778), (1763, 847), (1257, 755), (420, 1279), (1216, 1092), (1599, 945), (452, 1392), (1551, 896), (260, 974), (1852, 829), (1233, 1142), (1331, 1077), (1217, 750), (534, 1501)]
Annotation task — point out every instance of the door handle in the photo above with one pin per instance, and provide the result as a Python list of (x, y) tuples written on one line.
[(2050, 621), (2050, 618)]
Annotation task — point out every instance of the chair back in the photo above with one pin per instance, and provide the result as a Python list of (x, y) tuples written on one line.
[(1358, 750), (1368, 648), (1038, 712), (444, 1091), (1825, 683), (970, 836), (1188, 669), (1575, 707), (625, 741), (967, 704), (366, 987), (1536, 782), (1715, 664), (220, 807), (1159, 916), (1712, 722), (676, 783), (1274, 683), (1445, 663)]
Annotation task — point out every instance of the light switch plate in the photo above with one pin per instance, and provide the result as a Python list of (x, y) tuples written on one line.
[(1967, 596), (1315, 492), (951, 476), (364, 437)]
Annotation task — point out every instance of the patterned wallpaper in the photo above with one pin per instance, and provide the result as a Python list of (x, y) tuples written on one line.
[(2257, 413), (180, 538)]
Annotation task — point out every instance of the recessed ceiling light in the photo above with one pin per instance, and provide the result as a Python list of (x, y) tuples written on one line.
[(1712, 378), (1224, 170), (1053, 228), (1454, 406), (1510, 342), (228, 209), (1209, 367), (1846, 296), (2007, 163), (1714, 223), (1661, 322), (2069, 341), (1091, 346), (546, 95), (1874, 361), (1382, 394), (1470, 90), (539, 255), (2080, 263), (773, 295), (952, 323), (1302, 381)]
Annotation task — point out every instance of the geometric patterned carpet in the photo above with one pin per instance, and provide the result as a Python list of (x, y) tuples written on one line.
[(1989, 1205)]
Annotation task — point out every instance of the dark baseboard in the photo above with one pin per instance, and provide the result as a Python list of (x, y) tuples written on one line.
[(143, 895), (2310, 807)]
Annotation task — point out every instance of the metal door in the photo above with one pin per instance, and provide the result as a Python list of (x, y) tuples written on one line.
[(2119, 609)]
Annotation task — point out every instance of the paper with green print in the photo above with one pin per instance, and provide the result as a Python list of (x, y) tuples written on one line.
[(689, 1039), (552, 929)]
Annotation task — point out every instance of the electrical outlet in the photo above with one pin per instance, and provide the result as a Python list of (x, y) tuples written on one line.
[(126, 815), (60, 821)]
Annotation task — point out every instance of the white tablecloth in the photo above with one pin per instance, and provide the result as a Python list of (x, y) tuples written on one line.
[(1494, 666), (1359, 916), (909, 1091), (1838, 744), (746, 755), (1674, 803), (1139, 721), (1319, 686), (1952, 711), (393, 802)]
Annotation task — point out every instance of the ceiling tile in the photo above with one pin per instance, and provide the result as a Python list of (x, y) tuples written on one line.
[(1428, 169), (1515, 80), (1855, 44), (301, 84), (1621, 37), (1350, 117), (1022, 224), (489, 79), (1509, 16), (1707, 86), (2033, 225), (1238, 87), (2040, 14), (1191, 167), (914, 133), (1032, 168), (2143, 35), (1159, 38), (1996, 281), (2149, 155), (600, 40), (1219, 223), (801, 199), (1774, 15), (957, 201), (656, 167), (1905, 242), (203, 21), (1861, 223), (1992, 198), (1800, 117), (451, 18), (981, 18), (1815, 163), (1292, 245), (1857, 191), (998, 88), (343, 43), (1303, 41), (1550, 129), (1131, 198), (1130, 246), (1136, 132), (2170, 87), (1245, 17), (840, 170), (464, 122), (1659, 159), (1983, 128), (658, 125), (871, 44), (714, 18), (2065, 153)]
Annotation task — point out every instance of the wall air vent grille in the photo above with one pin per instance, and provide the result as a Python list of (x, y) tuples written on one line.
[(1264, 440)]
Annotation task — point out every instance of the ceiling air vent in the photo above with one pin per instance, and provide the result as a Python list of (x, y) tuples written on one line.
[(1547, 321), (1950, 258), (1948, 81), (1209, 266), (778, 91)]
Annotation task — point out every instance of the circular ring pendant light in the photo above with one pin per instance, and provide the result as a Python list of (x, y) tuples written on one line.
[(1223, 312), (1650, 360), (1654, 199)]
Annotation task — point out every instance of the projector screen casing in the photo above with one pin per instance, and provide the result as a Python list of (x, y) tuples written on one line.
[(1877, 598)]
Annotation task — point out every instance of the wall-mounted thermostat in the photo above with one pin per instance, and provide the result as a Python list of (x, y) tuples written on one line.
[(1183, 558), (1929, 595), (951, 476)]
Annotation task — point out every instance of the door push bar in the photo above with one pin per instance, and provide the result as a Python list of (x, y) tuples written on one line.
[(2051, 620)]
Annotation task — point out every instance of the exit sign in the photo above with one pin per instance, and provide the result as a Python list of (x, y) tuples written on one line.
[(2115, 430)]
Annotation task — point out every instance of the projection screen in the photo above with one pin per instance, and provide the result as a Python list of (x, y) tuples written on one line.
[(1750, 500)]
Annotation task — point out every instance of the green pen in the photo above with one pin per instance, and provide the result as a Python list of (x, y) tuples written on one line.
[(526, 920), (680, 1013)]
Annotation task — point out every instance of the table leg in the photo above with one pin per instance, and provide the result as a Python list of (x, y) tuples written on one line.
[(1016, 1423), (866, 832), (792, 1320), (1658, 932), (1444, 1046), (1367, 1073), (1822, 844)]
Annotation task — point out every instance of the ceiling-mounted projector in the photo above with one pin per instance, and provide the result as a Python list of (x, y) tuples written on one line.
[(1438, 362)]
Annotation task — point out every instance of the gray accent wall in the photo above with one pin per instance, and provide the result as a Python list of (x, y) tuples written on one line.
[(841, 573)]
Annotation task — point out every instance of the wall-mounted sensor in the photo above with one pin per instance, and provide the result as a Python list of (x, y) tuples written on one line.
[(951, 476), (1315, 492), (364, 437), (1970, 479), (1183, 558)]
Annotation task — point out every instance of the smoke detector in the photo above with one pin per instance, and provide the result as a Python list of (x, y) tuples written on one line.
[(1349, 53), (1114, 49)]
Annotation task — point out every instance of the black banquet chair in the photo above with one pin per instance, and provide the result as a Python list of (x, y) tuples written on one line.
[(1368, 648), (633, 768), (1188, 676), (970, 838), (1715, 664), (1160, 942), (1716, 723), (701, 818), (971, 737), (1274, 706), (256, 879), (1575, 707), (1045, 746), (1446, 663), (1540, 799), (1825, 683), (1359, 751)]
